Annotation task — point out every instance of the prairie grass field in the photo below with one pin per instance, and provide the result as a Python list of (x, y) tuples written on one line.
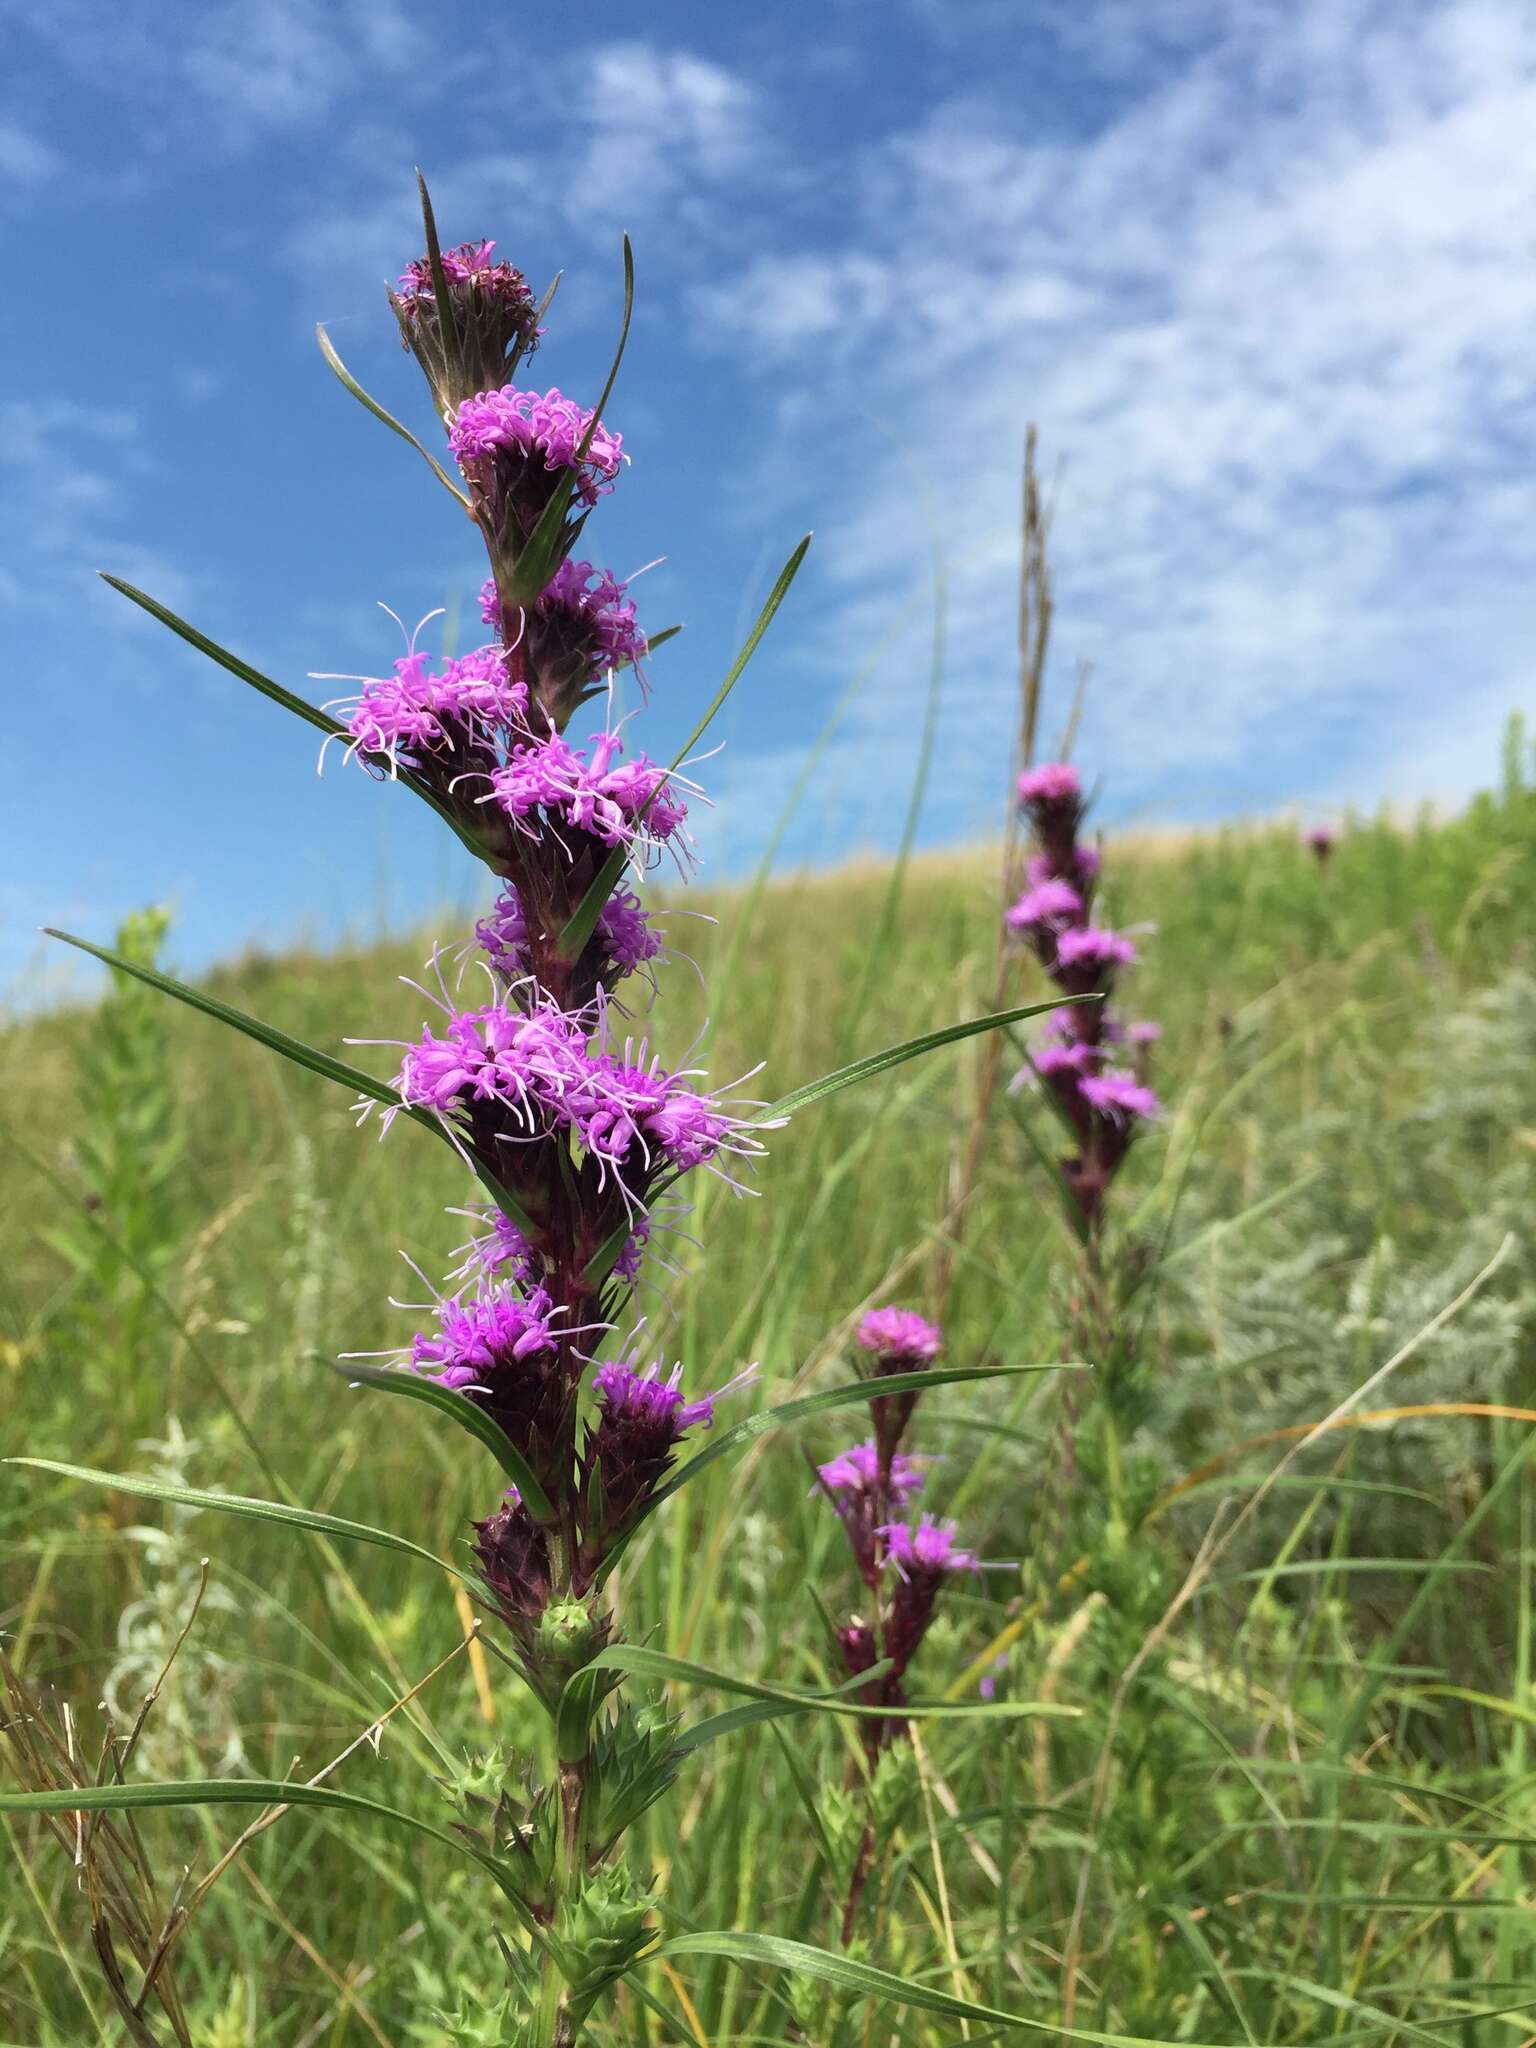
[(1285, 1791)]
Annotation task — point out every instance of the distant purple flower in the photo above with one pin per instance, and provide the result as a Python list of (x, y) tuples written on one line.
[(1055, 1058), (1082, 860), (899, 1337), (1094, 946), (1120, 1095), (1143, 1033), (857, 1471), (1320, 840), (1056, 782), (1047, 903), (928, 1549), (478, 1338), (546, 428)]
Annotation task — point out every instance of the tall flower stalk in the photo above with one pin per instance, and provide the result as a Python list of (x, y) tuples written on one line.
[(903, 1564), (534, 1069)]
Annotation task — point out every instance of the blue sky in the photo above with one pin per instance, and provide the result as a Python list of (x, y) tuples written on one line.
[(1263, 273)]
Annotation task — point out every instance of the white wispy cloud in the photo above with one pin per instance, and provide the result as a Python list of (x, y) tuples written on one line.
[(24, 159), (1276, 310)]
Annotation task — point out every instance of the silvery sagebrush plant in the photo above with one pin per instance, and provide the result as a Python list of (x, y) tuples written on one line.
[(533, 1069)]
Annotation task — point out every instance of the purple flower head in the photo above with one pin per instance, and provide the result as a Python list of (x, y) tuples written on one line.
[(592, 611), (469, 264), (1051, 902), (499, 1252), (530, 428), (631, 804), (1055, 783), (1320, 840), (415, 713), (927, 1550), (493, 323), (623, 938), (646, 1401), (1054, 1058), (1120, 1095), (641, 1416), (1143, 1033), (856, 1471), (477, 1339), (1094, 946), (513, 1554), (527, 1061), (899, 1338), (1082, 861)]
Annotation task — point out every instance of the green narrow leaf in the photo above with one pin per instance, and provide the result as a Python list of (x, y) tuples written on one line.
[(640, 1662), (846, 1396), (800, 1959), (448, 319), (345, 377), (299, 706), (583, 919), (242, 1505), (412, 1387), (601, 1263), (302, 1055), (655, 640), (294, 1049), (910, 1049), (111, 1798)]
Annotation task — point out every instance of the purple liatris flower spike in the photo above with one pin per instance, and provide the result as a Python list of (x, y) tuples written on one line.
[(900, 1339)]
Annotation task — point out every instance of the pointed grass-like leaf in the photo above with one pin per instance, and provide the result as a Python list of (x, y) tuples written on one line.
[(345, 377), (636, 1660), (541, 552), (242, 1505), (201, 1792), (412, 1387), (302, 1055), (299, 706), (897, 1055), (307, 1056), (583, 920), (798, 1958), (447, 317)]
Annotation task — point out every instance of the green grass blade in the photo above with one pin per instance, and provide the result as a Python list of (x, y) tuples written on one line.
[(294, 1049), (800, 1959), (897, 1055), (638, 1661), (242, 1505)]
